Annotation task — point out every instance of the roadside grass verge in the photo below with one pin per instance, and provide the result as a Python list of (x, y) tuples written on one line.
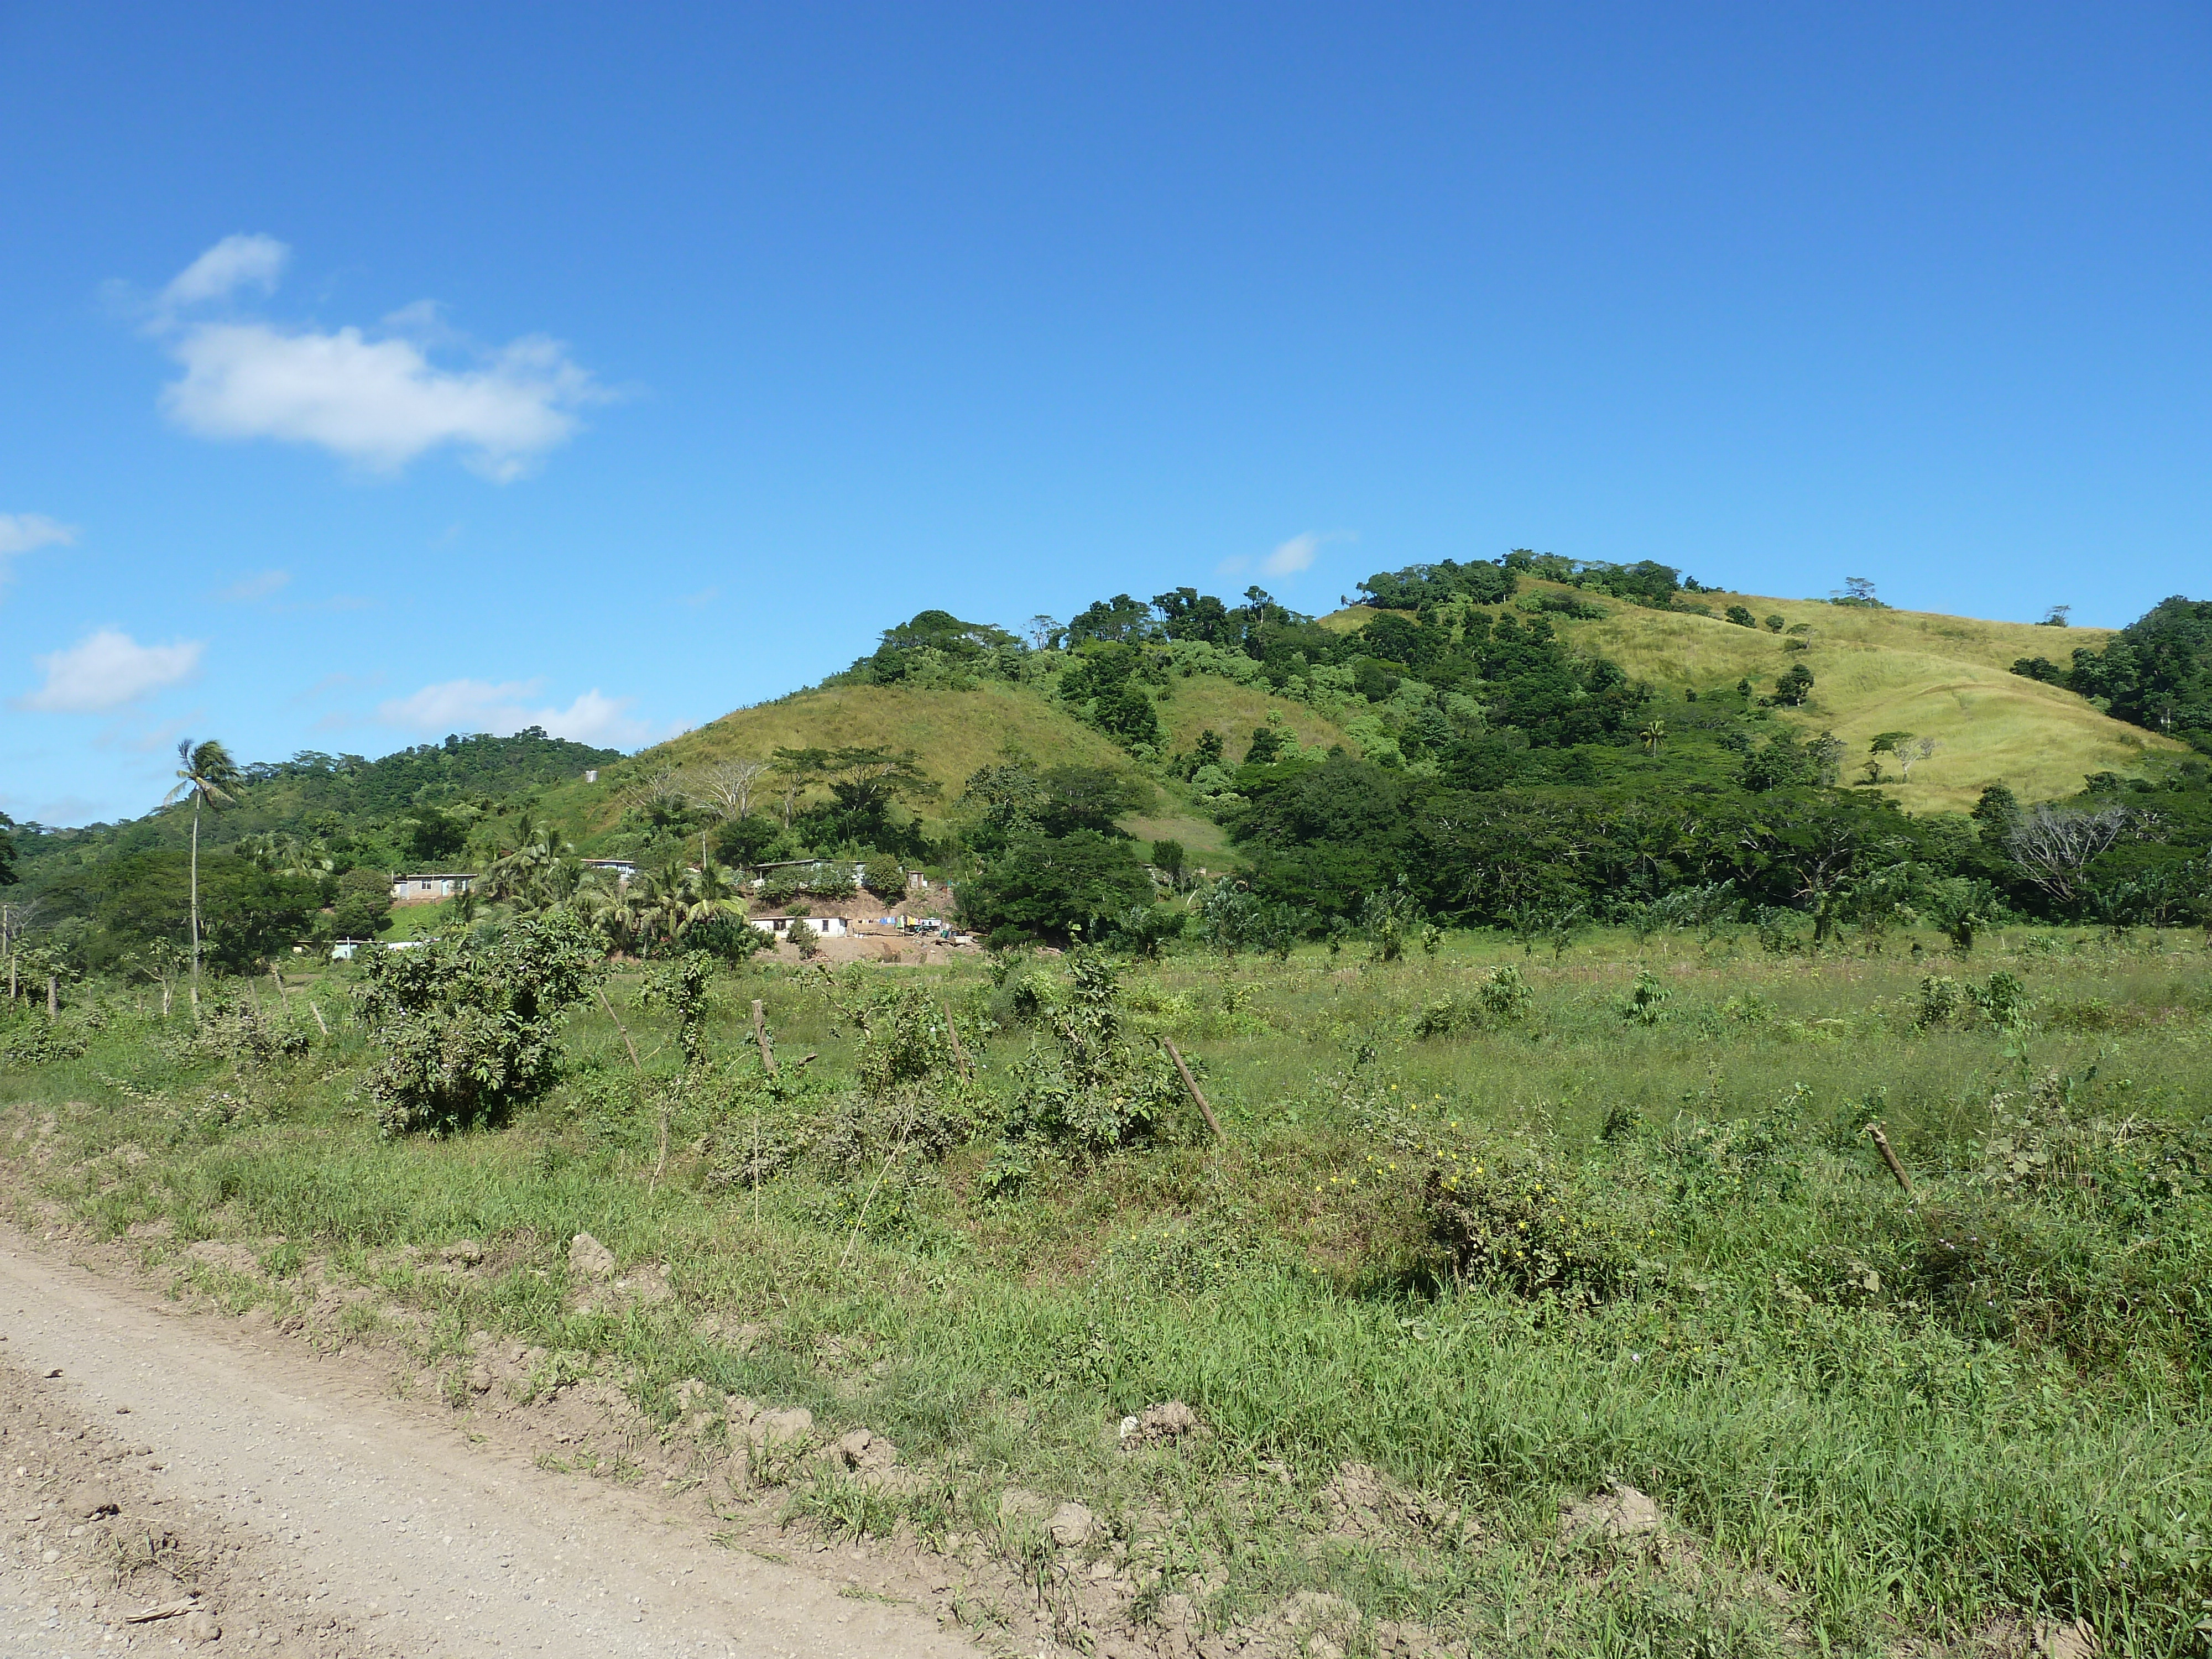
[(1869, 1417)]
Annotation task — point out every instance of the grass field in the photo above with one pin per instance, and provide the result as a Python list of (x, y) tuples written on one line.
[(1460, 1260)]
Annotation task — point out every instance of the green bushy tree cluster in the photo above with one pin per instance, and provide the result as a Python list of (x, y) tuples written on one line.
[(467, 1030)]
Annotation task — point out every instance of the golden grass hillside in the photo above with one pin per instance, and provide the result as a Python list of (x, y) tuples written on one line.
[(956, 733), (1948, 677)]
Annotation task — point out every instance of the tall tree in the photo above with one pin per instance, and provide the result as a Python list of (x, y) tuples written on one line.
[(206, 773)]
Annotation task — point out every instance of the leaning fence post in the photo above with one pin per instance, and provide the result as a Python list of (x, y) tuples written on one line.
[(1889, 1156), (1191, 1084)]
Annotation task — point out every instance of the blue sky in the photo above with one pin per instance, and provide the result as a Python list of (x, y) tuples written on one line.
[(366, 375)]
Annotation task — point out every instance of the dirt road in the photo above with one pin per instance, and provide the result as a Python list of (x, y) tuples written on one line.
[(320, 1517)]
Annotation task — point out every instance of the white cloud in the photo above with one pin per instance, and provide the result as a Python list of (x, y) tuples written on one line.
[(377, 403), (108, 669), (466, 705), (377, 400), (23, 532), (1288, 558), (248, 589), (1298, 553), (233, 263)]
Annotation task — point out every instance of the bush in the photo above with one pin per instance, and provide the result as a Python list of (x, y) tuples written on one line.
[(1521, 1219), (1941, 1000), (886, 878), (1388, 918), (1143, 928), (1098, 1090), (1500, 998), (727, 938), (1646, 1002), (906, 1037), (825, 880), (470, 1031), (44, 1043), (241, 1031)]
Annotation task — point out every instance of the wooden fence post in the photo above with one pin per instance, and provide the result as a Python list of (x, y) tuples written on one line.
[(1889, 1156), (1191, 1084), (760, 1036)]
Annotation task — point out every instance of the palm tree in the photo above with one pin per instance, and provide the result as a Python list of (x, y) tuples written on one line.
[(537, 871), (1652, 736), (206, 773)]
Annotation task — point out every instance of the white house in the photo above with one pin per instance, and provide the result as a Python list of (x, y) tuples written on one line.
[(431, 886), (823, 927)]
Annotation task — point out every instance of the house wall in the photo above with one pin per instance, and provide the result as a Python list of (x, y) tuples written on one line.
[(427, 890)]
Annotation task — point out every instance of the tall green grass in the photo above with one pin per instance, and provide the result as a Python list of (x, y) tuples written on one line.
[(1871, 1416)]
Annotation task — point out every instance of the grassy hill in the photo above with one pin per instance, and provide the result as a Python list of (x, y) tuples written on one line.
[(956, 733), (1948, 677)]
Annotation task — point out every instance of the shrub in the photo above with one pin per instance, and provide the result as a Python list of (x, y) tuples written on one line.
[(1742, 617), (818, 880), (1143, 928), (731, 940), (1388, 918), (1500, 998), (1520, 1219), (1646, 1001), (681, 987), (1098, 1090), (242, 1032), (2004, 998), (44, 1043), (470, 1030), (906, 1037), (1941, 1000)]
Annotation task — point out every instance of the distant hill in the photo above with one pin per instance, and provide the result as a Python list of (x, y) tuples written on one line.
[(1876, 671)]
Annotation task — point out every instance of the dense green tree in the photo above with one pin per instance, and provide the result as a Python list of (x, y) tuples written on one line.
[(360, 902), (1015, 796), (1186, 614), (2157, 674), (1794, 686), (1107, 685), (1119, 621), (932, 638), (1417, 585), (1049, 886), (246, 915)]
